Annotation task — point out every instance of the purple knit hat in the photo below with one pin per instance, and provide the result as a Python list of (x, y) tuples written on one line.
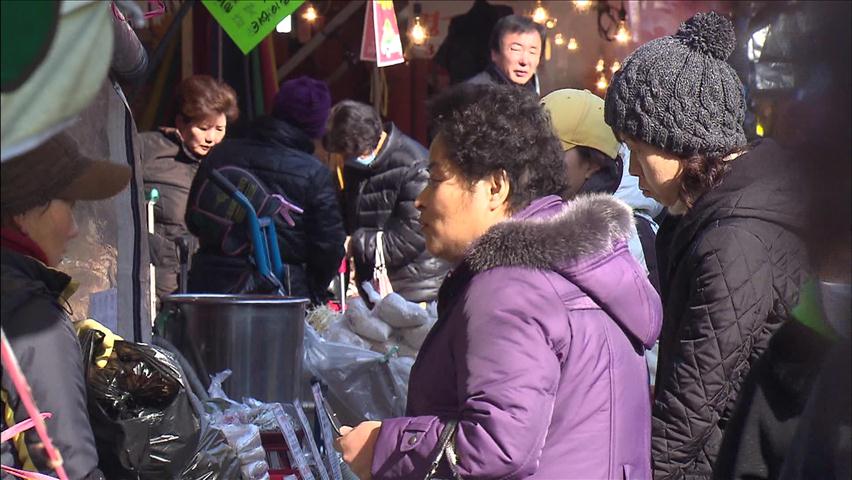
[(303, 102)]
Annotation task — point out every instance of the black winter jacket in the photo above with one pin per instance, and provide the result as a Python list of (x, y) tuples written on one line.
[(169, 169), (381, 197), (821, 447), (771, 402), (280, 155), (493, 76), (730, 271), (43, 339)]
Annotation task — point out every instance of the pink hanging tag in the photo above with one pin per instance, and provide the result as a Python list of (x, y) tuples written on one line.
[(22, 427), (159, 8)]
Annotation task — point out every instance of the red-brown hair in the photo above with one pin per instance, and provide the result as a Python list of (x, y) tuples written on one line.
[(201, 96)]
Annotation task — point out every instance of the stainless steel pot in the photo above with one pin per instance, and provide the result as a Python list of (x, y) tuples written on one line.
[(258, 337)]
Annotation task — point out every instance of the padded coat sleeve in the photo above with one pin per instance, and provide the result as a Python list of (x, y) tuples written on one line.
[(506, 378), (50, 357), (730, 302), (403, 240), (324, 232)]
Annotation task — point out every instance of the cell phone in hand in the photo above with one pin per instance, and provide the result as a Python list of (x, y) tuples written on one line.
[(331, 416)]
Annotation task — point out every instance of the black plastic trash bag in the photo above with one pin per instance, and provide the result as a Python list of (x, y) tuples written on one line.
[(215, 458), (144, 424)]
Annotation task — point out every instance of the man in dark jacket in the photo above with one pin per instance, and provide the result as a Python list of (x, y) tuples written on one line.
[(278, 151), (384, 172), (465, 50), (516, 47)]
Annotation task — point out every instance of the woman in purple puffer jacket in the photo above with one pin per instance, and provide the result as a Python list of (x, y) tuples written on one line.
[(538, 352)]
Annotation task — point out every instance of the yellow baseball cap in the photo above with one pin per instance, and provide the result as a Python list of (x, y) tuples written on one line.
[(578, 120)]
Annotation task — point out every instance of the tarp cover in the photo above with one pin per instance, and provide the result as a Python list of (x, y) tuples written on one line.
[(67, 78)]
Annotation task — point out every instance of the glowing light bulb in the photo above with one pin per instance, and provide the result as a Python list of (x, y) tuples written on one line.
[(582, 5), (311, 15), (572, 44), (758, 129), (602, 83), (622, 35), (600, 66), (551, 23), (558, 39), (539, 14), (615, 66), (418, 33)]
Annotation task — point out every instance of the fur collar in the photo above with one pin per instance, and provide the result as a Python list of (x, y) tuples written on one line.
[(587, 225)]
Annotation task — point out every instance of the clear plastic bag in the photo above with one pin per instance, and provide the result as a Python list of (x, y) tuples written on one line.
[(245, 439), (400, 313), (374, 386), (362, 321), (241, 424)]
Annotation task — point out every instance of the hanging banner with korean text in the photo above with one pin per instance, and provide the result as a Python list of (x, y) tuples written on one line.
[(380, 42), (248, 22)]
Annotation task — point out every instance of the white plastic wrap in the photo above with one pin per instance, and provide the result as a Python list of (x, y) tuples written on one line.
[(362, 322), (400, 313), (340, 332), (245, 439), (414, 337)]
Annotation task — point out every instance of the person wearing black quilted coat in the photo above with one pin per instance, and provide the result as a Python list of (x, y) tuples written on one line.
[(731, 261), (383, 173)]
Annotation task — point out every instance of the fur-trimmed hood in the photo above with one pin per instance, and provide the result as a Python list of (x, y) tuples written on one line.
[(585, 241), (589, 225)]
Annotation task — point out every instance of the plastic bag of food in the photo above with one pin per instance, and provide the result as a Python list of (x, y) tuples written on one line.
[(371, 384), (414, 337), (340, 332), (400, 313), (362, 322)]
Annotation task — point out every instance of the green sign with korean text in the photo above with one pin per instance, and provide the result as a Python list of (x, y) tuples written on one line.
[(248, 22)]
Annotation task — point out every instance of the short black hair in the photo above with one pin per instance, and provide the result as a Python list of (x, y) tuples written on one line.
[(514, 24), (353, 129), (612, 166), (488, 128)]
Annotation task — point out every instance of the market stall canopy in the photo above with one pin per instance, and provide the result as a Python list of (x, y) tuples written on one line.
[(55, 56)]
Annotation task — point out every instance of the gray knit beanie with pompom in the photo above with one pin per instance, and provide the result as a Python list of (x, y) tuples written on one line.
[(678, 92)]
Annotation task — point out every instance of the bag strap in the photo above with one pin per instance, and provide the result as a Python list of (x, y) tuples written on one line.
[(380, 270), (445, 442), (380, 250)]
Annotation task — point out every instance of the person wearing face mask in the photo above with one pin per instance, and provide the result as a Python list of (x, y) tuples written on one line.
[(170, 159), (517, 44), (38, 192), (730, 258), (384, 172)]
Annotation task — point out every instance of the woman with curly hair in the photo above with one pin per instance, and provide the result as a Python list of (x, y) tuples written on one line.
[(535, 367), (729, 258)]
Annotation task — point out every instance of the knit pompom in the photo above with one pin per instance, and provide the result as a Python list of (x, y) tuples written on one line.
[(708, 33)]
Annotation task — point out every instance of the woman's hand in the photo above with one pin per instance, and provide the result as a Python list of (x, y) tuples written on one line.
[(356, 445)]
